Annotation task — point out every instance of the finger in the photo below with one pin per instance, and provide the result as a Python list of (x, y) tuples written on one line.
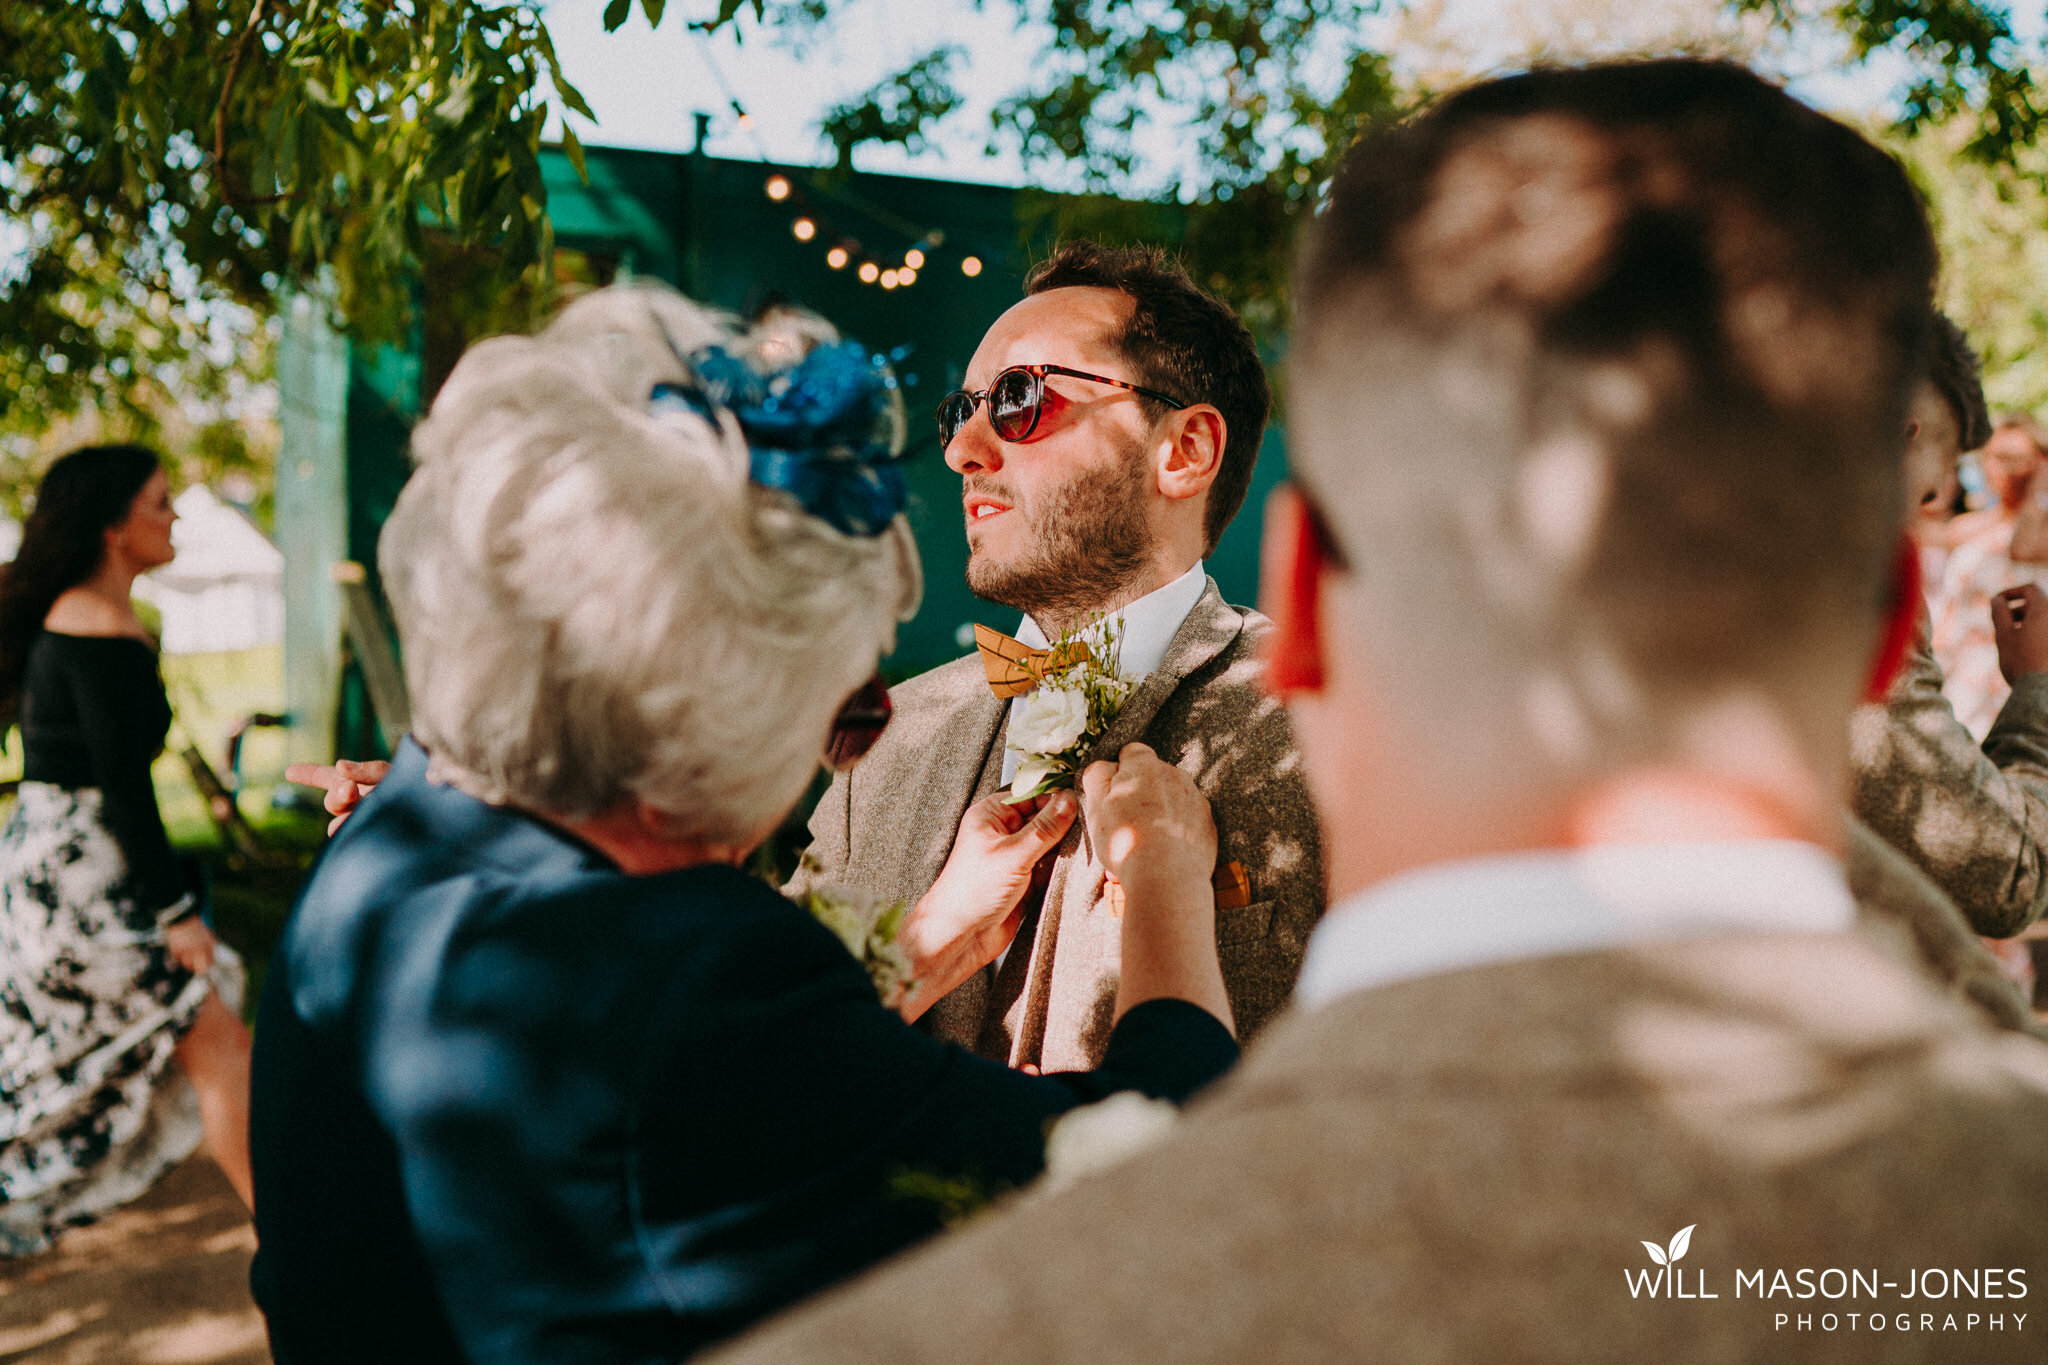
[(342, 798), (368, 772), (2002, 619), (1049, 826), (336, 823), (1137, 752), (1008, 816), (1095, 780), (321, 775)]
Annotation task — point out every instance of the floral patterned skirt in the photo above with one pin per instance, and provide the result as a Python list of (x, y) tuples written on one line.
[(92, 1110)]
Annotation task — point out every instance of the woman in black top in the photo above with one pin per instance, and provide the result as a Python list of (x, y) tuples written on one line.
[(107, 973)]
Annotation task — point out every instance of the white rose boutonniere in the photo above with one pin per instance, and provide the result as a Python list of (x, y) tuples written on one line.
[(1077, 697), (1053, 719), (868, 929), (1093, 1138)]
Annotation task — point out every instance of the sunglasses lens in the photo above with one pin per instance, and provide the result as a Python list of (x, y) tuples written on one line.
[(1013, 404), (956, 409), (858, 725)]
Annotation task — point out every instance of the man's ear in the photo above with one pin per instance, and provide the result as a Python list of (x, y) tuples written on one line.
[(1900, 625), (1194, 453), (1291, 570)]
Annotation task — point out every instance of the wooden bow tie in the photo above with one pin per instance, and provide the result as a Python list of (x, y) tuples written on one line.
[(1015, 668)]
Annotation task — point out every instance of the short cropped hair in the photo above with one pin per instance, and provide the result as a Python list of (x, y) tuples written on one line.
[(1599, 380), (1958, 376), (1182, 341), (597, 604)]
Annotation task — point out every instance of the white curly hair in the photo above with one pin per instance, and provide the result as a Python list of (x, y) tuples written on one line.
[(597, 604)]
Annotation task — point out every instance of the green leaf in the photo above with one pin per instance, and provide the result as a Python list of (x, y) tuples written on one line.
[(615, 14), (573, 98), (574, 150), (652, 9)]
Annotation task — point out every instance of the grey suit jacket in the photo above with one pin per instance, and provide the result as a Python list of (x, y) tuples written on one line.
[(1975, 820), (1465, 1167), (1907, 915), (889, 825)]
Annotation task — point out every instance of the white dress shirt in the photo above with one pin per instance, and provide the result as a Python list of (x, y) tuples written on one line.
[(1512, 907), (1148, 624)]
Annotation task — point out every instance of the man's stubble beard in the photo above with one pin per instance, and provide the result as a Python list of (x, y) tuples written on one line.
[(1089, 542)]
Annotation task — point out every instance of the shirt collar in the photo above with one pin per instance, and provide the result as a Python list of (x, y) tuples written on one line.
[(1148, 624), (1508, 908)]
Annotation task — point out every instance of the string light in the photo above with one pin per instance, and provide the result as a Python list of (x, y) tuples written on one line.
[(914, 259), (970, 266), (906, 275), (869, 272), (836, 258), (888, 279), (804, 229), (777, 187)]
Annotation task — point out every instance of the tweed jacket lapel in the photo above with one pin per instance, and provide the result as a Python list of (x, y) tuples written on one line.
[(1076, 881), (1207, 632), (928, 768)]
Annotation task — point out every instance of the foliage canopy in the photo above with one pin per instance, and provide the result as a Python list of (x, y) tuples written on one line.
[(166, 162)]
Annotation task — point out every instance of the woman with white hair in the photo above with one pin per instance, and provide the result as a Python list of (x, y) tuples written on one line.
[(541, 1075)]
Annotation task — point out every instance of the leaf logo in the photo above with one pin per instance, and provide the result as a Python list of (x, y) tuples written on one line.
[(1677, 1249)]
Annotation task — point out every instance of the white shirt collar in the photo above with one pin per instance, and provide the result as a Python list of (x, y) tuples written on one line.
[(1513, 907), (1148, 624)]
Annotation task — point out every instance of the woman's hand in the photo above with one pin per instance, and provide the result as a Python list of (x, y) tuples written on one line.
[(1152, 830), (345, 781), (973, 909), (191, 945), (1148, 823)]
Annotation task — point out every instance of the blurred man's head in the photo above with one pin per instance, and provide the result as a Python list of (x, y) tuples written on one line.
[(2015, 450), (1110, 492), (1599, 380), (1947, 417)]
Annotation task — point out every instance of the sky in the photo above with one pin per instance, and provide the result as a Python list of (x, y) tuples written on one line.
[(645, 85)]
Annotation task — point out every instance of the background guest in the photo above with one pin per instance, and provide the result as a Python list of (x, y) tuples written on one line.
[(1981, 565), (113, 992), (1972, 821)]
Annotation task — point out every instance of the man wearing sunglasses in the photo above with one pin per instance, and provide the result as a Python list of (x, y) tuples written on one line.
[(1104, 435), (1597, 385)]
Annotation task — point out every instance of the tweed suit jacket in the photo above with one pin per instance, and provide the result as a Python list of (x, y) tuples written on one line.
[(1466, 1167), (889, 825), (1974, 819), (1907, 915)]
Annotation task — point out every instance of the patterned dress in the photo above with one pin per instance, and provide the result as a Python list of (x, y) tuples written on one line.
[(1964, 644), (92, 1004)]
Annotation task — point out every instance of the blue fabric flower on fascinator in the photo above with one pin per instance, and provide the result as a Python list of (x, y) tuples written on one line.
[(827, 431)]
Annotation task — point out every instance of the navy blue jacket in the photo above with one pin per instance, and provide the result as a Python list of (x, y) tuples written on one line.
[(512, 1105)]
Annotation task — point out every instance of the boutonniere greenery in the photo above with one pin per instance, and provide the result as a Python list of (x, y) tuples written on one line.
[(868, 927)]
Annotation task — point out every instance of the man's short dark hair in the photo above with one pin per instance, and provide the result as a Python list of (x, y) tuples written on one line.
[(1958, 376), (1611, 366), (1182, 341)]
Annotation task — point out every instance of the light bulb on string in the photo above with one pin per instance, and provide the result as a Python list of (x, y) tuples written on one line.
[(869, 272), (777, 188), (906, 276), (889, 280), (970, 266), (803, 229), (836, 258), (914, 259)]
